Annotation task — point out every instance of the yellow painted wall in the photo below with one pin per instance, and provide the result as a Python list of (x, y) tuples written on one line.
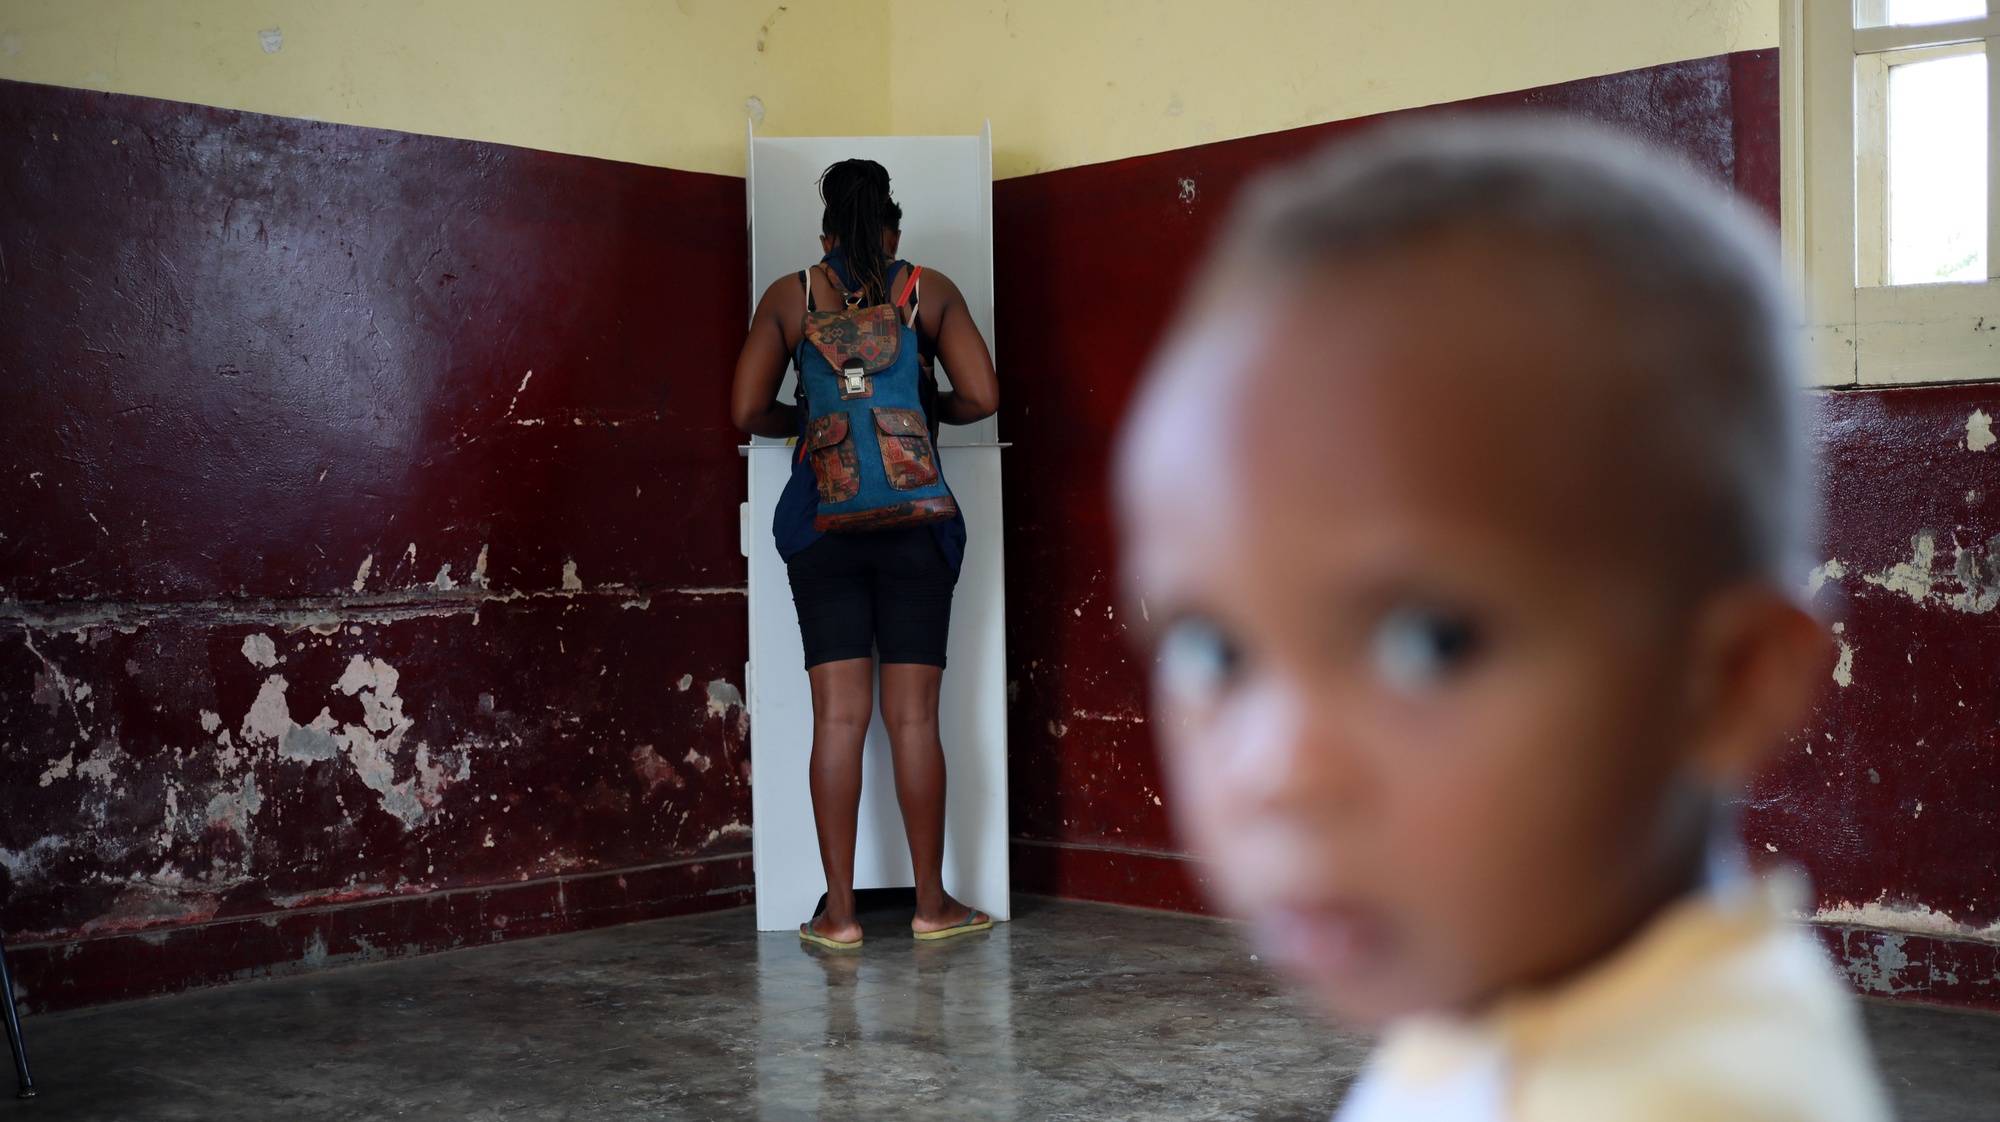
[(667, 81), (1070, 82), (651, 81)]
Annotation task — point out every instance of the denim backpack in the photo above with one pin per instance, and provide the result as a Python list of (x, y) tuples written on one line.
[(865, 430)]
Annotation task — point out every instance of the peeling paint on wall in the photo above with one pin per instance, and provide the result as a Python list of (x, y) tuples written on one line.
[(233, 810), (725, 701), (259, 649), (58, 769), (1912, 578), (1971, 584), (1878, 970), (24, 864), (731, 830), (1843, 667), (722, 697), (101, 766), (1916, 918), (1830, 570), (374, 756), (1978, 431), (312, 742), (268, 718)]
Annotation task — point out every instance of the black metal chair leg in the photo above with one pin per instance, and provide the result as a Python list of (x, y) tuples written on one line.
[(26, 1082)]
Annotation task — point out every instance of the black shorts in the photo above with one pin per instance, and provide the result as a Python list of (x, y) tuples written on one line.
[(881, 590)]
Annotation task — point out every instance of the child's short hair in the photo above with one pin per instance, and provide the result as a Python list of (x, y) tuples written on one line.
[(1695, 273)]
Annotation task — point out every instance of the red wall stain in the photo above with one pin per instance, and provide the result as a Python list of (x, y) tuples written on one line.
[(239, 356), (1081, 301)]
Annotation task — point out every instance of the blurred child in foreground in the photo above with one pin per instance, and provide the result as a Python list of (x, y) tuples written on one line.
[(1465, 503)]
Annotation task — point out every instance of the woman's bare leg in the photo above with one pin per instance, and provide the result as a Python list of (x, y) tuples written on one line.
[(843, 700), (910, 711)]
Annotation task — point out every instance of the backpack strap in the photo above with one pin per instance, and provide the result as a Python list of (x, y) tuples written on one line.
[(799, 387), (851, 300), (911, 293)]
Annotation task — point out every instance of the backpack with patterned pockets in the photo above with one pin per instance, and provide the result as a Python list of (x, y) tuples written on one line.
[(865, 430)]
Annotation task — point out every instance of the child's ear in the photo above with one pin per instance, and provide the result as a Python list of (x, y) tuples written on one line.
[(1759, 661)]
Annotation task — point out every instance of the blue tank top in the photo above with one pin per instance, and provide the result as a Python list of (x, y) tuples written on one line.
[(798, 503)]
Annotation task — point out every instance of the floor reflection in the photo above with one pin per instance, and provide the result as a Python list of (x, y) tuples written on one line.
[(841, 1033), (1070, 1013)]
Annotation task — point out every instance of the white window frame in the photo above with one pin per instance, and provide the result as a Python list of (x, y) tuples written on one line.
[(1874, 334)]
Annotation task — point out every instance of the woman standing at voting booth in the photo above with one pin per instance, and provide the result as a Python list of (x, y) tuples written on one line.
[(871, 536)]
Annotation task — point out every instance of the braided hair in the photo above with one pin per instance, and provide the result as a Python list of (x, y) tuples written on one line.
[(858, 211)]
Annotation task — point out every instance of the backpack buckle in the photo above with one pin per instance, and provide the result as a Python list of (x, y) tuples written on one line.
[(852, 380)]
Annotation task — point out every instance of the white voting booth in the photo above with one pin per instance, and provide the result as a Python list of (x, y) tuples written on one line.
[(945, 187)]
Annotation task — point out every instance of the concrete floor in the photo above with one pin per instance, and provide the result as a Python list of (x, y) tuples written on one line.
[(1073, 1011)]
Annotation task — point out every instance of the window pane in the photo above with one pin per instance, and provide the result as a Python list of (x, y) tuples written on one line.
[(1883, 13), (1937, 170)]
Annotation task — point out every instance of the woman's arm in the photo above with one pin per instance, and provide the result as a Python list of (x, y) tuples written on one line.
[(753, 403), (975, 389)]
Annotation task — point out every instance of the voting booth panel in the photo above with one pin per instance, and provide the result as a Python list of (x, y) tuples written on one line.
[(944, 185)]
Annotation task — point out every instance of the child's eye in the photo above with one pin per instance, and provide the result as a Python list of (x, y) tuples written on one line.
[(1196, 660), (1415, 648)]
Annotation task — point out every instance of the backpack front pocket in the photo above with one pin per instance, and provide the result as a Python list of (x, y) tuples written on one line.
[(908, 460), (835, 466)]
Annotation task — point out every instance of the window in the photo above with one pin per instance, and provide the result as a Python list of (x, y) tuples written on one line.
[(1892, 217)]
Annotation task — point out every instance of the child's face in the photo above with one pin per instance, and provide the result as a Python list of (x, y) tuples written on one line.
[(1418, 689)]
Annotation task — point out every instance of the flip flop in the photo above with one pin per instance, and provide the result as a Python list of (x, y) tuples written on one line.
[(974, 921), (809, 935)]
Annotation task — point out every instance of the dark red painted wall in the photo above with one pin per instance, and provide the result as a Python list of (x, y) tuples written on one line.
[(322, 619), (1891, 800), (1082, 298)]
